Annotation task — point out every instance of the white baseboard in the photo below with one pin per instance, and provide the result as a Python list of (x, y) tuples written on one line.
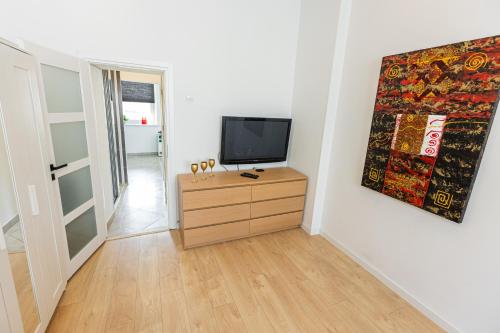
[(310, 230), (307, 228), (393, 286)]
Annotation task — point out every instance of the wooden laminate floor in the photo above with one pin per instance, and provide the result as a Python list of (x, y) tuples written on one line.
[(282, 282), (24, 290)]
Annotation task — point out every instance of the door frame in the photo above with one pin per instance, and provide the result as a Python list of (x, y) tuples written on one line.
[(167, 94), (44, 55)]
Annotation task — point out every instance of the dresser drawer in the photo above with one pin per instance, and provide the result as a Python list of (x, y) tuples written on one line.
[(276, 222), (215, 233), (216, 197), (278, 190), (208, 216), (278, 206)]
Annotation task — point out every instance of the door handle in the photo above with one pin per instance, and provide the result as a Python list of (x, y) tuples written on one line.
[(54, 168)]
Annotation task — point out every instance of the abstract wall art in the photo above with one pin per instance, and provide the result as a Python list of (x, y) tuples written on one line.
[(433, 112)]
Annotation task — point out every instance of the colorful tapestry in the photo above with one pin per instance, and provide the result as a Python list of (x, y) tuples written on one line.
[(432, 115)]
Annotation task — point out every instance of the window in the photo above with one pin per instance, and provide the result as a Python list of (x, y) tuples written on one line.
[(134, 112)]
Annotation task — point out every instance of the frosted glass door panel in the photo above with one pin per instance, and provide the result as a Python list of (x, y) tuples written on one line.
[(81, 231), (70, 141), (62, 89), (75, 189)]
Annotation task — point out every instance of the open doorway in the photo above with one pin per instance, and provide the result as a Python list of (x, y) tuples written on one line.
[(135, 123)]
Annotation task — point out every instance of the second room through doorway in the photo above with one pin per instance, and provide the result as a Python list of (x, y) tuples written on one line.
[(135, 127)]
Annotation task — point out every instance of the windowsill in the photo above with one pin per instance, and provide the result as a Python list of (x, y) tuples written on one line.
[(141, 125)]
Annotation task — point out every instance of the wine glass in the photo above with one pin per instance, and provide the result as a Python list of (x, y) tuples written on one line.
[(194, 169), (211, 164), (204, 165)]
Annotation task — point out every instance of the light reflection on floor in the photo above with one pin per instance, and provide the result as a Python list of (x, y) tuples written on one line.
[(142, 207)]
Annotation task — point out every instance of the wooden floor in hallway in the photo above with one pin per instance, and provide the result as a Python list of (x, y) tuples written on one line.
[(282, 282)]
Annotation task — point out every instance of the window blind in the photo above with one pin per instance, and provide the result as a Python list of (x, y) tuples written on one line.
[(138, 92)]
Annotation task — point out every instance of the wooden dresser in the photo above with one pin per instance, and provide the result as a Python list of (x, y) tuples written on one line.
[(228, 206)]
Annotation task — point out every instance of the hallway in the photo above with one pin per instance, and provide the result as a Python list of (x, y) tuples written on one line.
[(142, 207)]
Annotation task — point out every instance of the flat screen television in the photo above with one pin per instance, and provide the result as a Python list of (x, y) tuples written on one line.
[(248, 140)]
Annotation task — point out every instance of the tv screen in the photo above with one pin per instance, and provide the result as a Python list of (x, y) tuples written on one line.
[(254, 140)]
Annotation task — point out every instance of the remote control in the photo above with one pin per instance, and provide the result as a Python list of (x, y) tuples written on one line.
[(249, 175)]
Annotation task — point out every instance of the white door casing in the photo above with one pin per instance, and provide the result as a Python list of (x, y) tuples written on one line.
[(167, 96)]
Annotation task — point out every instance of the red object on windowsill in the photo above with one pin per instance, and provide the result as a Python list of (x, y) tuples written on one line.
[(144, 121)]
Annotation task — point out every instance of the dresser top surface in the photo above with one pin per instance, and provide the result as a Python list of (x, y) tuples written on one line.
[(233, 178)]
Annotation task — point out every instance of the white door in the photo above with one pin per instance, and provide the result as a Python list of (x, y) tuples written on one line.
[(70, 123), (22, 144)]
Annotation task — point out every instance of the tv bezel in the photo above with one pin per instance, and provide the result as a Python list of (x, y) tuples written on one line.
[(225, 161)]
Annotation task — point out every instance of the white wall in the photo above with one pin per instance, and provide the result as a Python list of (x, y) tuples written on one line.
[(8, 204), (317, 32), (141, 139), (452, 269), (232, 57)]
